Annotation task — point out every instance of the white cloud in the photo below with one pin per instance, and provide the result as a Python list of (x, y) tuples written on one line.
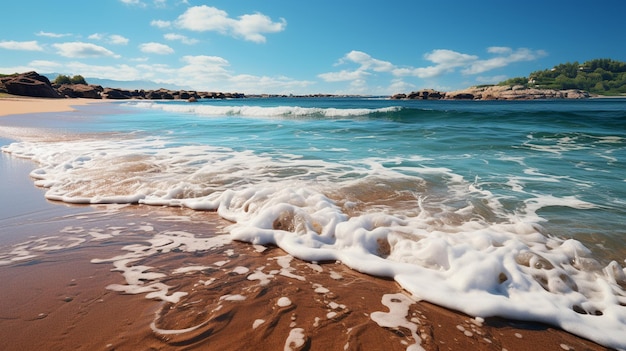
[(443, 61), (491, 79), (51, 35), (118, 72), (367, 62), (118, 39), (446, 61), (156, 48), (82, 50), (502, 50), (182, 38), (212, 73), (343, 75), (510, 56), (112, 39), (161, 24), (133, 2), (96, 36), (249, 27), (21, 45)]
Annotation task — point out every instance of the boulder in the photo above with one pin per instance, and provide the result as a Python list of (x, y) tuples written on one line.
[(81, 91), (30, 84), (116, 94), (425, 94)]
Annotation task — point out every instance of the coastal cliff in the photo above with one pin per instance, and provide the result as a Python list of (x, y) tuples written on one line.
[(495, 92)]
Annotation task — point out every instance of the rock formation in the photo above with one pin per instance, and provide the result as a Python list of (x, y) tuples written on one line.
[(35, 85), (29, 84), (80, 91), (495, 92)]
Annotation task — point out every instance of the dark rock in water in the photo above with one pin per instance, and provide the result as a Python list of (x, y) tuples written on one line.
[(426, 94), (192, 99), (29, 84)]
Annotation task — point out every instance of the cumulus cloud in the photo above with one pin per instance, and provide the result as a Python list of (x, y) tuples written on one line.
[(179, 37), (161, 24), (156, 48), (133, 2), (112, 39), (249, 27), (507, 57), (443, 61), (367, 62), (82, 50), (213, 73), (52, 35), (21, 45), (118, 39), (106, 72), (343, 75)]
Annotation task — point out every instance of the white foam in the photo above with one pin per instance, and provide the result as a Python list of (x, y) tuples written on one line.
[(490, 261), (396, 318), (233, 297), (295, 340), (257, 323), (189, 269), (283, 302), (258, 111)]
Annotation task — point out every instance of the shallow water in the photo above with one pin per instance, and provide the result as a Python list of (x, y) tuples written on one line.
[(515, 206)]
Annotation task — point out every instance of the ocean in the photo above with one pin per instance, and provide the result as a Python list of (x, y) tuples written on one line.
[(514, 209)]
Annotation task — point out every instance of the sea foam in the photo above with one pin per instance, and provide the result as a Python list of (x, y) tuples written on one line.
[(445, 239), (505, 268)]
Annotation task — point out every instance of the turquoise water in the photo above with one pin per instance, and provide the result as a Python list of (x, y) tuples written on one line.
[(516, 206)]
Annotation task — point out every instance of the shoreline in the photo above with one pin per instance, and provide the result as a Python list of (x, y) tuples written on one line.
[(18, 105), (61, 296)]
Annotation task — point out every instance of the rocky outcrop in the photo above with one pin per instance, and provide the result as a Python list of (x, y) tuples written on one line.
[(426, 94), (80, 91), (35, 85), (29, 84), (495, 92), (517, 92)]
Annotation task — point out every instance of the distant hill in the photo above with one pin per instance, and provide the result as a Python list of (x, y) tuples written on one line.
[(125, 84), (600, 76)]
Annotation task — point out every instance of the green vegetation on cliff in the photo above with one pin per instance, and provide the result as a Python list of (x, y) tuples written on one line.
[(599, 76)]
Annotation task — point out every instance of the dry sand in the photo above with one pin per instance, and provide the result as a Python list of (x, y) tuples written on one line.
[(13, 105), (244, 297)]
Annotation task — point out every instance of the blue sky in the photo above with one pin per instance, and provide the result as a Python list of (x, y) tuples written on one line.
[(302, 47)]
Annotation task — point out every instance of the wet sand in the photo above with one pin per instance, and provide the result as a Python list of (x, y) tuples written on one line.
[(65, 269)]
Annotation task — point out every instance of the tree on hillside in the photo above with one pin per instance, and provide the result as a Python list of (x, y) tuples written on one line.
[(78, 79), (599, 76), (63, 79)]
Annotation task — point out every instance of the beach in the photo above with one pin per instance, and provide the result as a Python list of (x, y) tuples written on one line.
[(13, 105), (130, 276)]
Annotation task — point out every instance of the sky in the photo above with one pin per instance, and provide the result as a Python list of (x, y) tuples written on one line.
[(307, 47)]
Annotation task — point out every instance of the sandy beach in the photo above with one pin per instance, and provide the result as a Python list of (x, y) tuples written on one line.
[(13, 105), (68, 273)]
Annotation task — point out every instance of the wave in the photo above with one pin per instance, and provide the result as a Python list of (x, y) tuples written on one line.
[(261, 111), (442, 238)]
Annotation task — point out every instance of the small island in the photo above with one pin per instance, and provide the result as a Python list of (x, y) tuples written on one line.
[(595, 78)]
